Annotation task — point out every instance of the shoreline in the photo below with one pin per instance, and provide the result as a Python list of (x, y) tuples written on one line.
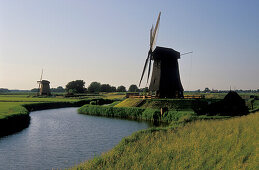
[(19, 117)]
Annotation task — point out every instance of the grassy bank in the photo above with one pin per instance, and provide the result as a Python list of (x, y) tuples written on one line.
[(136, 113), (14, 109), (217, 144), (17, 119)]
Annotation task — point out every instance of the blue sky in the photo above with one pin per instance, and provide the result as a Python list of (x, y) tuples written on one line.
[(107, 41)]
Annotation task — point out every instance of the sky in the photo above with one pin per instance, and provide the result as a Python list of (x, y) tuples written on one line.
[(108, 41)]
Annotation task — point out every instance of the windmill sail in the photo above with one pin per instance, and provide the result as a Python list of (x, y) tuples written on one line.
[(40, 80), (144, 69), (153, 33)]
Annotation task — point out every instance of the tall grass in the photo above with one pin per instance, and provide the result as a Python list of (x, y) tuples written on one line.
[(136, 113), (217, 144)]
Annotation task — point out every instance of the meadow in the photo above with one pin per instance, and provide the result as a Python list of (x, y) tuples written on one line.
[(7, 102), (188, 142), (191, 141), (214, 144)]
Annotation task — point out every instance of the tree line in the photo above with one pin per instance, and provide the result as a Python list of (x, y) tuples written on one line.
[(78, 86)]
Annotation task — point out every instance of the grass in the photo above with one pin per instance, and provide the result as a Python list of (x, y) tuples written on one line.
[(27, 98), (175, 104), (130, 102), (6, 108), (121, 112), (8, 102), (139, 113), (9, 108), (114, 95), (217, 144)]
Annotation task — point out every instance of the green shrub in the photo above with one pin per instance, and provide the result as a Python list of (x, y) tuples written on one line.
[(151, 114), (93, 103), (173, 115)]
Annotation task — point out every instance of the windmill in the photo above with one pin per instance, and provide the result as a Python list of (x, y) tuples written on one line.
[(44, 88), (165, 81)]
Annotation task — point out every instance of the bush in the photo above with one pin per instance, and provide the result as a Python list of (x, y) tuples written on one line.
[(173, 115), (93, 103), (151, 114)]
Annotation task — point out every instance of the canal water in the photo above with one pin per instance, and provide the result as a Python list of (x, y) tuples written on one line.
[(61, 138)]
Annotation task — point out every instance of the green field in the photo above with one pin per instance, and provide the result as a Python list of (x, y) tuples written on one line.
[(187, 143), (214, 144), (6, 108), (7, 102), (130, 102), (27, 98)]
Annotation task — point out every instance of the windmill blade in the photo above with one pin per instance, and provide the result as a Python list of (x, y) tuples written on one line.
[(40, 80), (144, 69), (151, 33), (41, 74), (155, 31), (149, 67)]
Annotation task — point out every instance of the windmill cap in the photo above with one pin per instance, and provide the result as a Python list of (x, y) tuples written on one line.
[(44, 81), (165, 52)]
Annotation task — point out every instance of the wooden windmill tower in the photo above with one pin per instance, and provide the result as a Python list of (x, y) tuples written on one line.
[(44, 88), (165, 81)]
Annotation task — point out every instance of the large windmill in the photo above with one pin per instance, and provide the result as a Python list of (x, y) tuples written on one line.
[(165, 81), (44, 88)]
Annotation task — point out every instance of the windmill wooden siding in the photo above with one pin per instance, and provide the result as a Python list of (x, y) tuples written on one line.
[(165, 81)]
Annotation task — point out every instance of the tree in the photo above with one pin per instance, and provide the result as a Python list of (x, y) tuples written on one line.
[(145, 89), (3, 90), (121, 89), (58, 89), (206, 90), (77, 86), (113, 89), (94, 87), (105, 88), (35, 90), (133, 88)]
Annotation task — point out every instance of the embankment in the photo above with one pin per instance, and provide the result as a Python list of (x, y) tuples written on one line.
[(17, 120), (217, 144), (18, 117), (135, 113)]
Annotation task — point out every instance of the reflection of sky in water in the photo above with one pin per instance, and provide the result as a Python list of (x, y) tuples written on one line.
[(60, 138)]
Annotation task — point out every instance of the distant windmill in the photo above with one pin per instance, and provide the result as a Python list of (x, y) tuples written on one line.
[(44, 88), (165, 81)]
